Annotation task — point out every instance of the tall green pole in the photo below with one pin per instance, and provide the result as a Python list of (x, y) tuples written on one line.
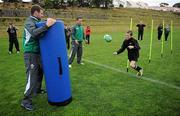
[(150, 46), (130, 28), (162, 41), (131, 24), (171, 36)]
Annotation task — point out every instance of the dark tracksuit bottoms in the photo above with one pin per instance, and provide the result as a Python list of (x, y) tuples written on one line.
[(34, 75), (166, 35), (88, 39), (140, 34), (15, 42), (76, 49), (160, 31), (68, 42), (159, 35)]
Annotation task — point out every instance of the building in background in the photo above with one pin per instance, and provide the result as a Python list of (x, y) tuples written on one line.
[(129, 4), (143, 5), (177, 5)]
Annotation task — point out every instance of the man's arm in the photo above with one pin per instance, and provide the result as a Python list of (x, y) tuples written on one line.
[(33, 30), (73, 33), (83, 34), (16, 28)]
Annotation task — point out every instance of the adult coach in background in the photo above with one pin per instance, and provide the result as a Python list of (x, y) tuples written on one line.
[(133, 48), (140, 30), (166, 32), (77, 39), (160, 31), (31, 38), (12, 32)]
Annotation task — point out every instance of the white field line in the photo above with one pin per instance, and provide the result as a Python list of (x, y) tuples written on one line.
[(130, 74)]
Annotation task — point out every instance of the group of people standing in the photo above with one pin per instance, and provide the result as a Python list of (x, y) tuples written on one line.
[(166, 31), (13, 39), (159, 30)]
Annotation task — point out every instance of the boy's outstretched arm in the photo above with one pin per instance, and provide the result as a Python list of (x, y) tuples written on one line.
[(123, 47)]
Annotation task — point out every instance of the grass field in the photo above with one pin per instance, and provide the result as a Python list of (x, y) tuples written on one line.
[(102, 87)]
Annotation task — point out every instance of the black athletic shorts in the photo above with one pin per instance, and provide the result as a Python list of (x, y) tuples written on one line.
[(133, 58)]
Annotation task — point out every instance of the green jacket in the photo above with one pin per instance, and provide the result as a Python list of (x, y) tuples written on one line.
[(78, 33), (31, 35)]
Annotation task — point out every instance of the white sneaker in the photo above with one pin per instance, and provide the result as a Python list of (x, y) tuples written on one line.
[(70, 66), (138, 74), (141, 72), (82, 63), (10, 52)]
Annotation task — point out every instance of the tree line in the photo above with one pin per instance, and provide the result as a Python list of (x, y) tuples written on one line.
[(69, 3)]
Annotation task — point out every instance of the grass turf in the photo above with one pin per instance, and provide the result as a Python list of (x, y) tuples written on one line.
[(97, 90)]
